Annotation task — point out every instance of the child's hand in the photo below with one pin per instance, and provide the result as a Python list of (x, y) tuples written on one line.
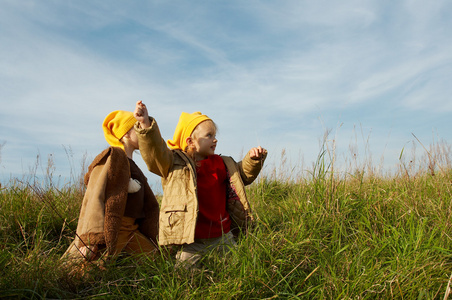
[(257, 153), (89, 252), (141, 114)]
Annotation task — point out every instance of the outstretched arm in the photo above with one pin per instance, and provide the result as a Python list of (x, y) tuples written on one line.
[(153, 149)]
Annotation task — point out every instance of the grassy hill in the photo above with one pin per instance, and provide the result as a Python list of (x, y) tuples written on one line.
[(352, 234)]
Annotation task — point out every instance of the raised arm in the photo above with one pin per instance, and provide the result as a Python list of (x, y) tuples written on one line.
[(157, 156)]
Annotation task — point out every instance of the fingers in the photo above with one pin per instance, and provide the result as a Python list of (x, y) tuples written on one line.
[(257, 152), (140, 109), (141, 104), (89, 252), (260, 150), (141, 114), (254, 153)]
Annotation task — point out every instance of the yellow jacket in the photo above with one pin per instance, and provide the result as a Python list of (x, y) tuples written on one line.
[(179, 208)]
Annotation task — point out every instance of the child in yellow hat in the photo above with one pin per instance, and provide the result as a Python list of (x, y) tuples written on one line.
[(119, 211), (204, 202)]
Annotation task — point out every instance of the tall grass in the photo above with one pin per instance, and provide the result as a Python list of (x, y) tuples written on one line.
[(327, 233)]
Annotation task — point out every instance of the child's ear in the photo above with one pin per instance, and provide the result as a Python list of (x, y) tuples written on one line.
[(189, 141)]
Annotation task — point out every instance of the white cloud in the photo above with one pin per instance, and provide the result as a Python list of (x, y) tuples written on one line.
[(265, 71)]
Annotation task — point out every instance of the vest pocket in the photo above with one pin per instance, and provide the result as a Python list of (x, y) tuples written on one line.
[(174, 219)]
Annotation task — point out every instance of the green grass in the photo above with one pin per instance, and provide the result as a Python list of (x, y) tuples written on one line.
[(325, 235)]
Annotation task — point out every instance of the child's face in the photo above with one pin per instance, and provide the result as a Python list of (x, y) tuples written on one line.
[(204, 140), (131, 139)]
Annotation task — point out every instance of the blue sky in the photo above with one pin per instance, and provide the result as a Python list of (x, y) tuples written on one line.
[(275, 73)]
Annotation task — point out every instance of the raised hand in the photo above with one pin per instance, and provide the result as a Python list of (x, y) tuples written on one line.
[(141, 114), (257, 153)]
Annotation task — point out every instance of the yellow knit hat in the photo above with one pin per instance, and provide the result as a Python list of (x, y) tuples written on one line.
[(116, 125), (187, 123)]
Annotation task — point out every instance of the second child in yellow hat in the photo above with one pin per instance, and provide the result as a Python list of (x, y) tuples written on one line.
[(204, 203), (185, 127)]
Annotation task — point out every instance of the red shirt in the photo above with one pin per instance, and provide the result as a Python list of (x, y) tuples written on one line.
[(213, 219)]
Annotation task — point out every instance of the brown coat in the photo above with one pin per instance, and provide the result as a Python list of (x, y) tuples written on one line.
[(104, 203), (179, 209)]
